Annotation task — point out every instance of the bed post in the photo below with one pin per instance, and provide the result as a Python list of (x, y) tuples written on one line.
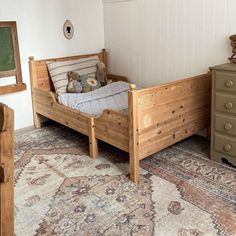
[(33, 78), (93, 144), (133, 135)]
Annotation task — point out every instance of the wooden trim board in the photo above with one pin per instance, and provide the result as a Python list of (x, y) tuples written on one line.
[(6, 171)]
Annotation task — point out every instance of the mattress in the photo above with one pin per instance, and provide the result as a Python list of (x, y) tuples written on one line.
[(112, 96)]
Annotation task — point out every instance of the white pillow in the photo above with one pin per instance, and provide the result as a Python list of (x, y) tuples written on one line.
[(58, 71)]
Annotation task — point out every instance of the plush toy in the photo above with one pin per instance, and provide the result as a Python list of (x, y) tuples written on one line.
[(89, 83), (74, 85), (101, 75)]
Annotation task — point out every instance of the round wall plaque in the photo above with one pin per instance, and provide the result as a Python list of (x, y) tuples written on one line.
[(68, 29)]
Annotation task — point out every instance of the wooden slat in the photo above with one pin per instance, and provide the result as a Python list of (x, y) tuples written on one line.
[(12, 88), (179, 134), (43, 78), (6, 171), (191, 88), (112, 127), (204, 78), (174, 108), (158, 130), (8, 73), (64, 119)]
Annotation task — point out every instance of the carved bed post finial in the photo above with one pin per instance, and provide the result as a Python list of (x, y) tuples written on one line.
[(31, 58), (132, 87)]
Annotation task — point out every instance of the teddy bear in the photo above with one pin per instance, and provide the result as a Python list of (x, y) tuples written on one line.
[(101, 75), (74, 85)]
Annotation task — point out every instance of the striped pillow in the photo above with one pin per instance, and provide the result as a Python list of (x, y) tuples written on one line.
[(58, 71)]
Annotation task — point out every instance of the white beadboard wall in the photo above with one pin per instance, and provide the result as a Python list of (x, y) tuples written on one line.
[(156, 41), (40, 34)]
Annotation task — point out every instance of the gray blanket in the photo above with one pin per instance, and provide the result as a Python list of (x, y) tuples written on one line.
[(112, 96)]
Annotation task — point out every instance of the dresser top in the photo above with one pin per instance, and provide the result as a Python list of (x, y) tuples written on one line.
[(227, 67)]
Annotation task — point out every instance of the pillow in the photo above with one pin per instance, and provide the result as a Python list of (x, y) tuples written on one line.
[(58, 71), (89, 83)]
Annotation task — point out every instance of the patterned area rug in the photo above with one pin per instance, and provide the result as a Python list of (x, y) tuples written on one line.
[(59, 190)]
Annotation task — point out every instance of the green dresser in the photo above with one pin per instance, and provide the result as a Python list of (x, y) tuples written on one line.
[(223, 125)]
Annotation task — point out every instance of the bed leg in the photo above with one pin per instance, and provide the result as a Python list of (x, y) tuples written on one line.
[(134, 168), (93, 143), (37, 120), (133, 135)]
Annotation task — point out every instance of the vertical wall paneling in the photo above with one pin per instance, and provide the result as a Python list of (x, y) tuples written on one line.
[(155, 41)]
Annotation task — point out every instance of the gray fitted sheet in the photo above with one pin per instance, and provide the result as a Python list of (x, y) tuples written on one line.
[(112, 96)]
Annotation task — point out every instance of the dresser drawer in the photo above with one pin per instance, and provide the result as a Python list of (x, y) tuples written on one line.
[(225, 124), (225, 81), (225, 103), (225, 144)]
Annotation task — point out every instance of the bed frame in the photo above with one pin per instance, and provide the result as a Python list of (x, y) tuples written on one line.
[(157, 117)]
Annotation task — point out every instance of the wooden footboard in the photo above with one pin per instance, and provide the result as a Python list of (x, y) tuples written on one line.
[(166, 114)]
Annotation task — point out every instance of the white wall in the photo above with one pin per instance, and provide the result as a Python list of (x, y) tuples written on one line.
[(40, 24), (155, 41)]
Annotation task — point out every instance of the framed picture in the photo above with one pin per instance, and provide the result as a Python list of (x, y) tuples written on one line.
[(10, 65)]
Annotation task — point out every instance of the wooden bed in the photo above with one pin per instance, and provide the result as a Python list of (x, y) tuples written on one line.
[(157, 117)]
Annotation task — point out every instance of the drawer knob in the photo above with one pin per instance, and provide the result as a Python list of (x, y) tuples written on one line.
[(227, 147), (228, 126), (229, 105), (229, 83)]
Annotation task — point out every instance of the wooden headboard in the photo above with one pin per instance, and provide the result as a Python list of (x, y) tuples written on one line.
[(39, 74)]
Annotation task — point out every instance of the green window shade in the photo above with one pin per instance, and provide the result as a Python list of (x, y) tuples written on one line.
[(7, 61)]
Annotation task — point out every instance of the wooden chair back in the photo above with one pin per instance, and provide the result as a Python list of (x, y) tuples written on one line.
[(6, 171)]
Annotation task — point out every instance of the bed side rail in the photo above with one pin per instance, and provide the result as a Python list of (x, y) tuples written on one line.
[(45, 104), (163, 115)]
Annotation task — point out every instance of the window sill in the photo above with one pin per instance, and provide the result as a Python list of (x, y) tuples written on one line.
[(13, 88)]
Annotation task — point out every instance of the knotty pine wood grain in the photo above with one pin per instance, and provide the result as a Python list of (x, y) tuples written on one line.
[(6, 171)]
